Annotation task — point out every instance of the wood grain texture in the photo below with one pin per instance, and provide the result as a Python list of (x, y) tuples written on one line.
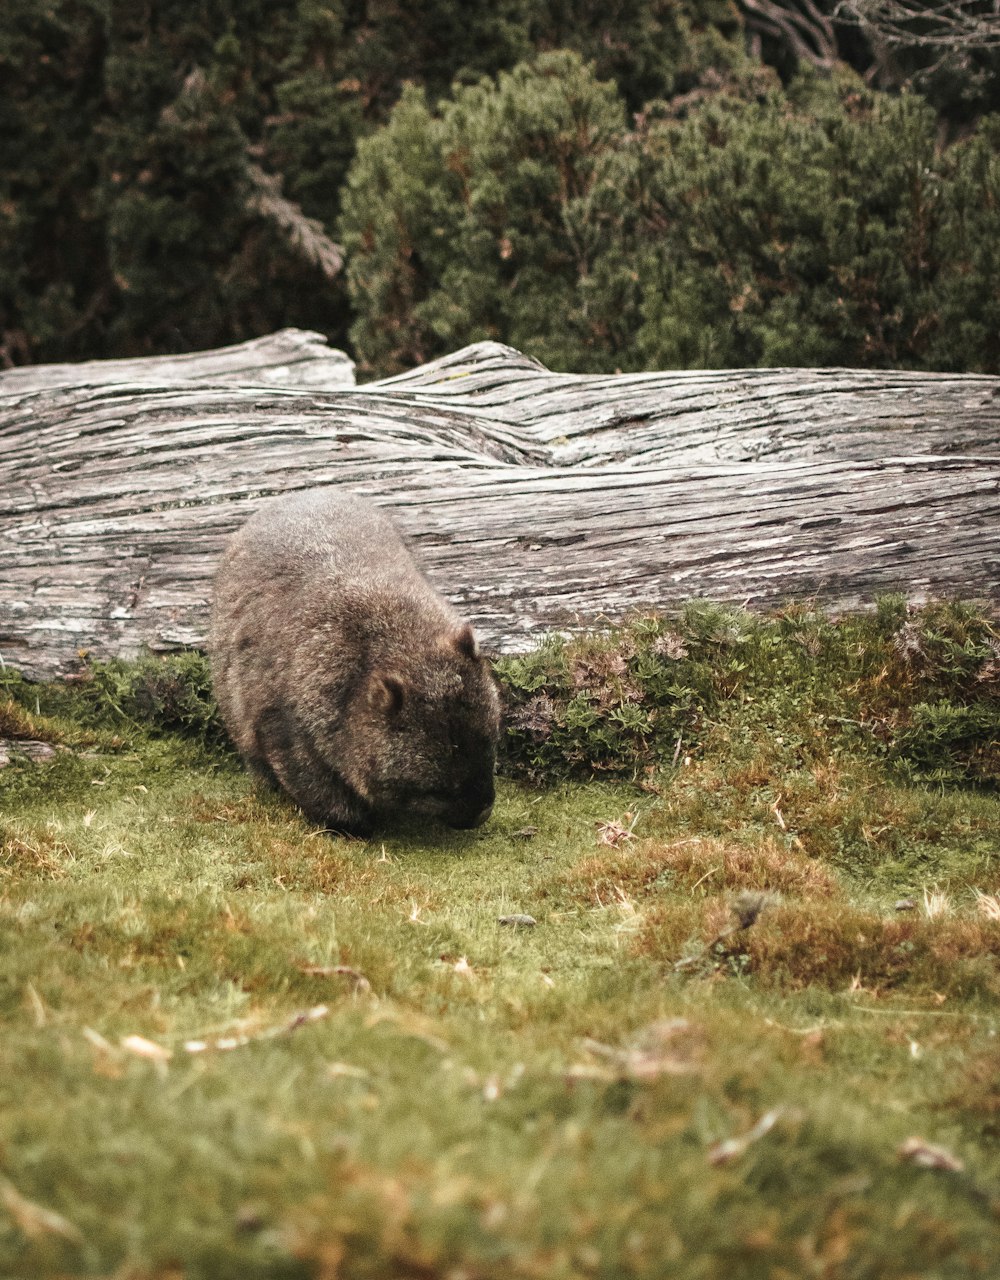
[(535, 500)]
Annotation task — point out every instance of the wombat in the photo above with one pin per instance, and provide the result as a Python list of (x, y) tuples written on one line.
[(342, 674)]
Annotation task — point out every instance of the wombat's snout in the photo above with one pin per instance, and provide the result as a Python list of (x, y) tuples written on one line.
[(474, 809), (464, 821)]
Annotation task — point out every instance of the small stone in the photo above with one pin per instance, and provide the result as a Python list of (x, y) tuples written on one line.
[(905, 904), (518, 921), (32, 750)]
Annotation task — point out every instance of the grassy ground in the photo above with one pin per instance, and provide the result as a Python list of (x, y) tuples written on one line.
[(233, 1046)]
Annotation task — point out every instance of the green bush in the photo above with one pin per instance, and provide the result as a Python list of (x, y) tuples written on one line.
[(803, 229), (920, 690), (819, 226), (967, 332), (487, 220), (917, 688), (151, 695), (945, 742)]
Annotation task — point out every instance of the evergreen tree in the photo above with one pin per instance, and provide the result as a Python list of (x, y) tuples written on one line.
[(966, 332), (649, 48), (803, 229), (824, 225), (639, 193), (487, 221), (401, 212), (53, 273)]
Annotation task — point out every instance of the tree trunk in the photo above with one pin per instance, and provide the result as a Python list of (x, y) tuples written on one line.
[(535, 500)]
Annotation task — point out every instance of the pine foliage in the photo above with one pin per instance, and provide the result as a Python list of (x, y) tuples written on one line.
[(615, 185), (822, 224)]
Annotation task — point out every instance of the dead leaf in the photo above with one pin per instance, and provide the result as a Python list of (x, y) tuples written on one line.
[(671, 1046), (35, 1220), (615, 833), (926, 1156), (226, 1043), (36, 1004), (670, 645), (149, 1049), (338, 1070), (730, 1148), (301, 1019), (360, 982)]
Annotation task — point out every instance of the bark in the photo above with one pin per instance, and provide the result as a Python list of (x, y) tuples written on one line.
[(535, 500)]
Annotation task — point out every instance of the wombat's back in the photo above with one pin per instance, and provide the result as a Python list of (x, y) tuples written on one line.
[(325, 533), (341, 673)]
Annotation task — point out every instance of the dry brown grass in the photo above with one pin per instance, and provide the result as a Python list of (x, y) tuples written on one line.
[(793, 948), (645, 866), (15, 722), (317, 865), (251, 808), (35, 851), (833, 945)]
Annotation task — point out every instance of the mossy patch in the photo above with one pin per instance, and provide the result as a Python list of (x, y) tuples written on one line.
[(795, 945), (920, 688)]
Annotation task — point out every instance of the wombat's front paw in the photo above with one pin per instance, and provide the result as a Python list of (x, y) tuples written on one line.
[(356, 828), (343, 816)]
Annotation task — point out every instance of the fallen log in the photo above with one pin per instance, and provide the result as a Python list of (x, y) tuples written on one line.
[(536, 500)]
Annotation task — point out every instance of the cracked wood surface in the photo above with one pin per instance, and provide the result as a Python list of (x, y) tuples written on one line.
[(534, 500)]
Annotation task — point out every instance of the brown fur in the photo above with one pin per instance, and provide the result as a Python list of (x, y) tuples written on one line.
[(343, 675)]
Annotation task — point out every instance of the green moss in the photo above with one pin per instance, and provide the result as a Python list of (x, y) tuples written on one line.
[(637, 697), (919, 687)]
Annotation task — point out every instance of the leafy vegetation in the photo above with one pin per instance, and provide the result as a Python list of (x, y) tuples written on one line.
[(605, 186), (130, 217), (753, 1029), (918, 689), (821, 224)]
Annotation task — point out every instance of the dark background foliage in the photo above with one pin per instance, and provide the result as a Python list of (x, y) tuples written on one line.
[(629, 184)]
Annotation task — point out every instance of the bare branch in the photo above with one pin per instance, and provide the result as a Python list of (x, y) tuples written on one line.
[(800, 24), (945, 26)]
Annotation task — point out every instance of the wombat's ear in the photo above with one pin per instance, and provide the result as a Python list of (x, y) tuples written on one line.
[(465, 641), (386, 694)]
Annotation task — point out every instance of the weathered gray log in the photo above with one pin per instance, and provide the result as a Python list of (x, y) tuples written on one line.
[(291, 358), (536, 500)]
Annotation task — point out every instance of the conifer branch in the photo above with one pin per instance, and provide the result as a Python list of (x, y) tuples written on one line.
[(305, 235)]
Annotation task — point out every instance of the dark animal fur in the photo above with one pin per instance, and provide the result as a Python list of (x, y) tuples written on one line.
[(342, 675)]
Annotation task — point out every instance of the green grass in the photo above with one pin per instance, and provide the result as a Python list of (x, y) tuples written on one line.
[(483, 1101)]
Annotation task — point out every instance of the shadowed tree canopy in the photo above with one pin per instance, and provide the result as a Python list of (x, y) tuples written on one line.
[(184, 176)]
